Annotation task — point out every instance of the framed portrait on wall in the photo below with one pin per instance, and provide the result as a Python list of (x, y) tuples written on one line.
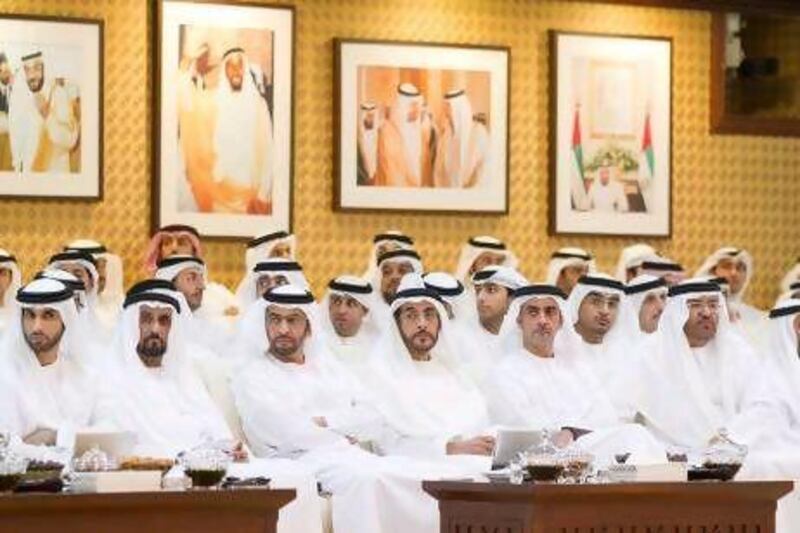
[(421, 127), (223, 121), (610, 129), (51, 107)]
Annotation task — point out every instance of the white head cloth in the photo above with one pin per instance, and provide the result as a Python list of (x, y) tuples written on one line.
[(8, 261), (670, 371), (456, 155), (368, 139), (606, 285), (407, 95), (449, 289), (168, 407), (397, 238), (261, 247), (399, 384), (781, 348), (169, 268), (47, 403), (403, 255), (616, 343), (706, 269), (476, 246), (362, 292), (85, 260), (637, 291), (793, 291), (632, 256), (792, 276), (246, 293), (565, 257), (566, 340), (663, 267), (113, 291), (500, 275)]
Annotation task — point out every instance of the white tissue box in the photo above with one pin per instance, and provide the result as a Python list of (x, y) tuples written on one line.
[(120, 481)]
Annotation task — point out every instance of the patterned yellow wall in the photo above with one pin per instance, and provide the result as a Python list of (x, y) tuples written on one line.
[(727, 189)]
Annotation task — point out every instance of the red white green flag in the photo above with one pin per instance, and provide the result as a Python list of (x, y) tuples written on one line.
[(647, 146), (577, 147)]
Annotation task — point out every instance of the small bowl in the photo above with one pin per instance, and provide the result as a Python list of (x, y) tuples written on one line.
[(8, 482), (205, 478), (544, 472), (714, 472)]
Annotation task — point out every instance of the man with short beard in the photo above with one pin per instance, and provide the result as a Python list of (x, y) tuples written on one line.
[(58, 387), (697, 376), (543, 383), (430, 403), (164, 401), (180, 239), (188, 274), (43, 125)]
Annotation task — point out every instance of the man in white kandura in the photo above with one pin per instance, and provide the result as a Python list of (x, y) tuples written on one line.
[(463, 150), (712, 380), (386, 241), (189, 275), (350, 327), (404, 152), (84, 267), (10, 282), (647, 296), (607, 195), (630, 260), (266, 274), (736, 266), (391, 267), (567, 265), (431, 404), (163, 399), (296, 400), (58, 388), (180, 239), (42, 123), (494, 288), (543, 383), (110, 292), (480, 252), (243, 141)]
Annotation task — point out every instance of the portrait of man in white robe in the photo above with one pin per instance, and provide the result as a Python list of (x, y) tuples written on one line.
[(225, 132), (43, 116)]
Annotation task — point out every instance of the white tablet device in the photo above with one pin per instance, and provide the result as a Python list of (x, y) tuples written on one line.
[(510, 442), (115, 444)]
